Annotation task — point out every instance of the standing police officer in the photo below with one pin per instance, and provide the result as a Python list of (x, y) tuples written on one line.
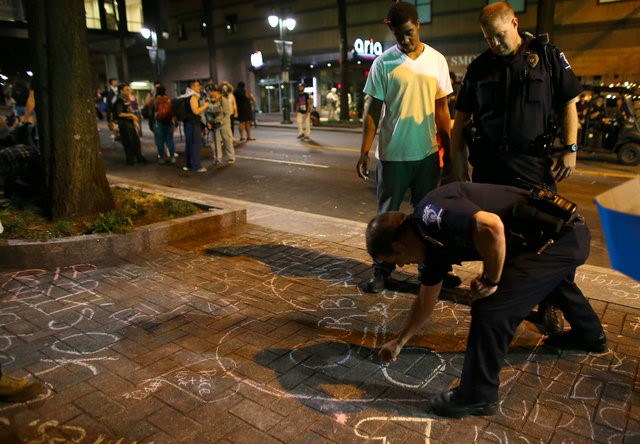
[(465, 221), (511, 99)]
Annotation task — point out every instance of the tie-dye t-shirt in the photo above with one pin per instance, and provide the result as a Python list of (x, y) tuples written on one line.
[(409, 89)]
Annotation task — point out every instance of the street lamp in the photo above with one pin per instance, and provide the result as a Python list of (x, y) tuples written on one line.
[(284, 49), (157, 55)]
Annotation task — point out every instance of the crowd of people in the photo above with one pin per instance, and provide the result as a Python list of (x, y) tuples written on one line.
[(212, 112)]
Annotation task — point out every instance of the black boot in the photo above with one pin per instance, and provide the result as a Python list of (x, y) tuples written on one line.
[(451, 405)]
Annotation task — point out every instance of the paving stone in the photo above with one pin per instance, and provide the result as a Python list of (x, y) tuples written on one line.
[(259, 335)]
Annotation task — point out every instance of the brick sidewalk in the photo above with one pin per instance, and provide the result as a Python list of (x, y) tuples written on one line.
[(260, 335)]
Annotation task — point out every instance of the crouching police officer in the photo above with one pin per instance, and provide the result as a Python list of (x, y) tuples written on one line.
[(529, 242)]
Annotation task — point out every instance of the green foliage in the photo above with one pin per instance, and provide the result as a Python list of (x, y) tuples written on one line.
[(111, 222), (24, 220)]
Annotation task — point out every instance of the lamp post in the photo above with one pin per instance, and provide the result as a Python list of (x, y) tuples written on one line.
[(284, 49), (156, 55)]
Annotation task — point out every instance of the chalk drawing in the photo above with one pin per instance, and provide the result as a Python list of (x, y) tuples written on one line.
[(204, 380), (53, 432), (384, 439)]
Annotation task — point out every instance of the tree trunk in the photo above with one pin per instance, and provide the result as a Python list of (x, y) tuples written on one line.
[(75, 177)]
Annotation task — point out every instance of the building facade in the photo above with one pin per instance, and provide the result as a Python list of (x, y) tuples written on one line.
[(219, 39)]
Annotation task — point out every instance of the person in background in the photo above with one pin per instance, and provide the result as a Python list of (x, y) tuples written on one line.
[(193, 128), (244, 112), (128, 124), (332, 103), (303, 113), (164, 125)]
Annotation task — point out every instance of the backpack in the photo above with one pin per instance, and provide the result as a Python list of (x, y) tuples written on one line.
[(179, 108), (163, 109), (214, 114)]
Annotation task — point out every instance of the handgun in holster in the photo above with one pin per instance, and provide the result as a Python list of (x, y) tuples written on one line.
[(539, 220)]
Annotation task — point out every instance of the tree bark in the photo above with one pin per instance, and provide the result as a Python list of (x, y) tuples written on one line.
[(75, 178)]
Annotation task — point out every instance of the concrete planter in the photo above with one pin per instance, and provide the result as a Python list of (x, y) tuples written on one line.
[(15, 254)]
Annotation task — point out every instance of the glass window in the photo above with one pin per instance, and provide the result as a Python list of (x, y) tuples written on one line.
[(92, 11), (135, 18), (11, 11), (424, 10), (517, 5), (111, 12)]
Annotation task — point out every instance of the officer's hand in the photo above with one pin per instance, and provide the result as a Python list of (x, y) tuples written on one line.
[(565, 165), (481, 290), (363, 167), (389, 352)]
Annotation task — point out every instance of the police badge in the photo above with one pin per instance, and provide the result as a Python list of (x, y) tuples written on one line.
[(533, 59)]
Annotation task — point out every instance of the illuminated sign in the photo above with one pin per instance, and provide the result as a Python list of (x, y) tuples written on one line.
[(368, 48), (256, 59)]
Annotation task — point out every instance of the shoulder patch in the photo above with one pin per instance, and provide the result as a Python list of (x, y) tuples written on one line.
[(565, 62), (432, 215)]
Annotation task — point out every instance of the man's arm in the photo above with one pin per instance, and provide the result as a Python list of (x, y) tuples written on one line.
[(443, 126), (566, 162), (308, 105), (459, 154), (421, 310), (370, 120), (487, 234)]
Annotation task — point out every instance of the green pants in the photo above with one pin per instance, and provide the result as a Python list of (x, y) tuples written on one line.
[(395, 178)]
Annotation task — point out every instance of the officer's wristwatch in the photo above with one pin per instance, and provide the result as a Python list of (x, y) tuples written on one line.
[(571, 148), (488, 282)]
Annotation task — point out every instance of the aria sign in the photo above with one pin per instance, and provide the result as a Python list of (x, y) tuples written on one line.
[(367, 48)]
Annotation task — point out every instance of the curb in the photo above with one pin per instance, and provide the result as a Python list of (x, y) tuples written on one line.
[(96, 247)]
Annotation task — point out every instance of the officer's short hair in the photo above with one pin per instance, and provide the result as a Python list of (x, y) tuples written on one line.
[(383, 230), (493, 11), (401, 13)]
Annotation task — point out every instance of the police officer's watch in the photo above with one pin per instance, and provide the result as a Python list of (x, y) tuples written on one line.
[(488, 282), (571, 148)]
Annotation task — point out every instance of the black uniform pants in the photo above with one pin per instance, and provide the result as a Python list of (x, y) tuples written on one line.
[(527, 279)]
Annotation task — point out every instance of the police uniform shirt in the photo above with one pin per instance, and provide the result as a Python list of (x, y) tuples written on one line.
[(443, 219), (517, 89)]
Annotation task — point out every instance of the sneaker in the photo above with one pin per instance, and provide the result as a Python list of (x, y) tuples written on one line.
[(451, 405), (14, 389), (161, 161), (576, 341), (231, 161), (201, 170), (375, 284), (300, 136), (176, 155), (185, 168), (173, 160)]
